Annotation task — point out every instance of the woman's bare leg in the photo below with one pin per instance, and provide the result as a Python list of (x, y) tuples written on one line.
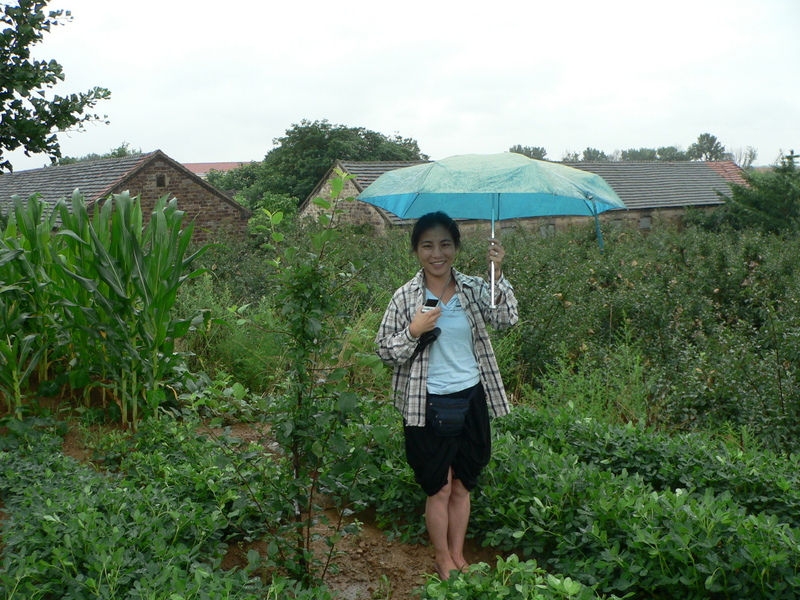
[(437, 519), (447, 516), (458, 512)]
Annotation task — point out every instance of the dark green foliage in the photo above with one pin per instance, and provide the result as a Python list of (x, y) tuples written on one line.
[(75, 533), (711, 318), (121, 151), (252, 186), (512, 579), (671, 153), (707, 147), (655, 342), (638, 155), (302, 157), (535, 152), (30, 119), (680, 330), (623, 509), (594, 155), (315, 412), (629, 510), (769, 202)]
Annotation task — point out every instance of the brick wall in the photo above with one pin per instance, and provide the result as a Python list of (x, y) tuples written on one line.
[(211, 212)]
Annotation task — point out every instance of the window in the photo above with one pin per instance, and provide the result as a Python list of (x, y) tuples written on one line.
[(161, 180), (645, 223)]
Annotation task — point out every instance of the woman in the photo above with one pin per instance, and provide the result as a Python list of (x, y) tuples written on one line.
[(459, 364)]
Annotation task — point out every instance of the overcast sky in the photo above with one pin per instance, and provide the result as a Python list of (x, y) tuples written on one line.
[(218, 81)]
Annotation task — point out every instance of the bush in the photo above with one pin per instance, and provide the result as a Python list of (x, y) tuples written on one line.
[(626, 510), (75, 533)]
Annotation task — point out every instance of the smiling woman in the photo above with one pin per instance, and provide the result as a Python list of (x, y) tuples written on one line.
[(446, 389)]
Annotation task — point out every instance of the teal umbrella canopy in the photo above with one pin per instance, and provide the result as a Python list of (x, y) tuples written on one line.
[(491, 187)]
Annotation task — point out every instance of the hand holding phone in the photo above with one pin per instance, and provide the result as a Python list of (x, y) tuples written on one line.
[(423, 321), (429, 304)]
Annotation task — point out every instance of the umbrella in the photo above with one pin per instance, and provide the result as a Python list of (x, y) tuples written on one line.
[(491, 187)]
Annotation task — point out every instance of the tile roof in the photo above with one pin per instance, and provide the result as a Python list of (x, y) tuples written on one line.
[(729, 170), (95, 179), (202, 169), (367, 172), (643, 185), (650, 185)]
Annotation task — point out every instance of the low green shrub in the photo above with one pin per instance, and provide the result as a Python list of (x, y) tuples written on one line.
[(75, 533), (386, 483), (757, 479), (512, 579), (625, 530), (240, 481)]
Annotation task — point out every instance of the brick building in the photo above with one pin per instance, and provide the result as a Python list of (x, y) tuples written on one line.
[(149, 176)]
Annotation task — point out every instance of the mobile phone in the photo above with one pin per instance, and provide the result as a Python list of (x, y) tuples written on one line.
[(429, 304)]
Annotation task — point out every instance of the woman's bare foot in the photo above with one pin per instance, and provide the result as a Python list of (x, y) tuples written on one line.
[(443, 571)]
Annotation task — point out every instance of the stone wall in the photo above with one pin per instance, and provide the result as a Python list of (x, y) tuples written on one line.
[(356, 213), (212, 212)]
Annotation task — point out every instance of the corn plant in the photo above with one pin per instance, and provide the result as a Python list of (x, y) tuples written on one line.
[(26, 318), (97, 295), (19, 353), (128, 277)]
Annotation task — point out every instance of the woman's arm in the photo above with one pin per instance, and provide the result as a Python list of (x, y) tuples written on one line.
[(394, 340)]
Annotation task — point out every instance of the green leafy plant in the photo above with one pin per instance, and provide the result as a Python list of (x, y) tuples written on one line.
[(512, 579), (96, 296), (73, 532)]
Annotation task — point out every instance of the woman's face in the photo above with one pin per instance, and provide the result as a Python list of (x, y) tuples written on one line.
[(436, 252)]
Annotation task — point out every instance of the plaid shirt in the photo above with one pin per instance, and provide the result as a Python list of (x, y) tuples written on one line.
[(396, 345)]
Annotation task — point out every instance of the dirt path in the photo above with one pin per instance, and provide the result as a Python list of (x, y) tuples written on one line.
[(375, 567)]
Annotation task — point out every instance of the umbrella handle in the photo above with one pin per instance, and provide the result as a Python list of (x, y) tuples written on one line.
[(491, 274), (492, 303)]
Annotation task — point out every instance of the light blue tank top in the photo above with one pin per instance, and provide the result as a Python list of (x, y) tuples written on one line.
[(452, 366)]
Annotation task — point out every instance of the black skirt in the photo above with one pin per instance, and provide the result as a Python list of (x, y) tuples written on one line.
[(431, 456)]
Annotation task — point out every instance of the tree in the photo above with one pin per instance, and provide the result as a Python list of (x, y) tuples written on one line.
[(308, 150), (744, 157), (642, 154), (595, 155), (303, 156), (536, 152), (27, 118), (121, 151), (706, 148), (770, 201), (671, 154)]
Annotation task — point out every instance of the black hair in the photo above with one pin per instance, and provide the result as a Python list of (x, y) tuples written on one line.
[(431, 220)]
